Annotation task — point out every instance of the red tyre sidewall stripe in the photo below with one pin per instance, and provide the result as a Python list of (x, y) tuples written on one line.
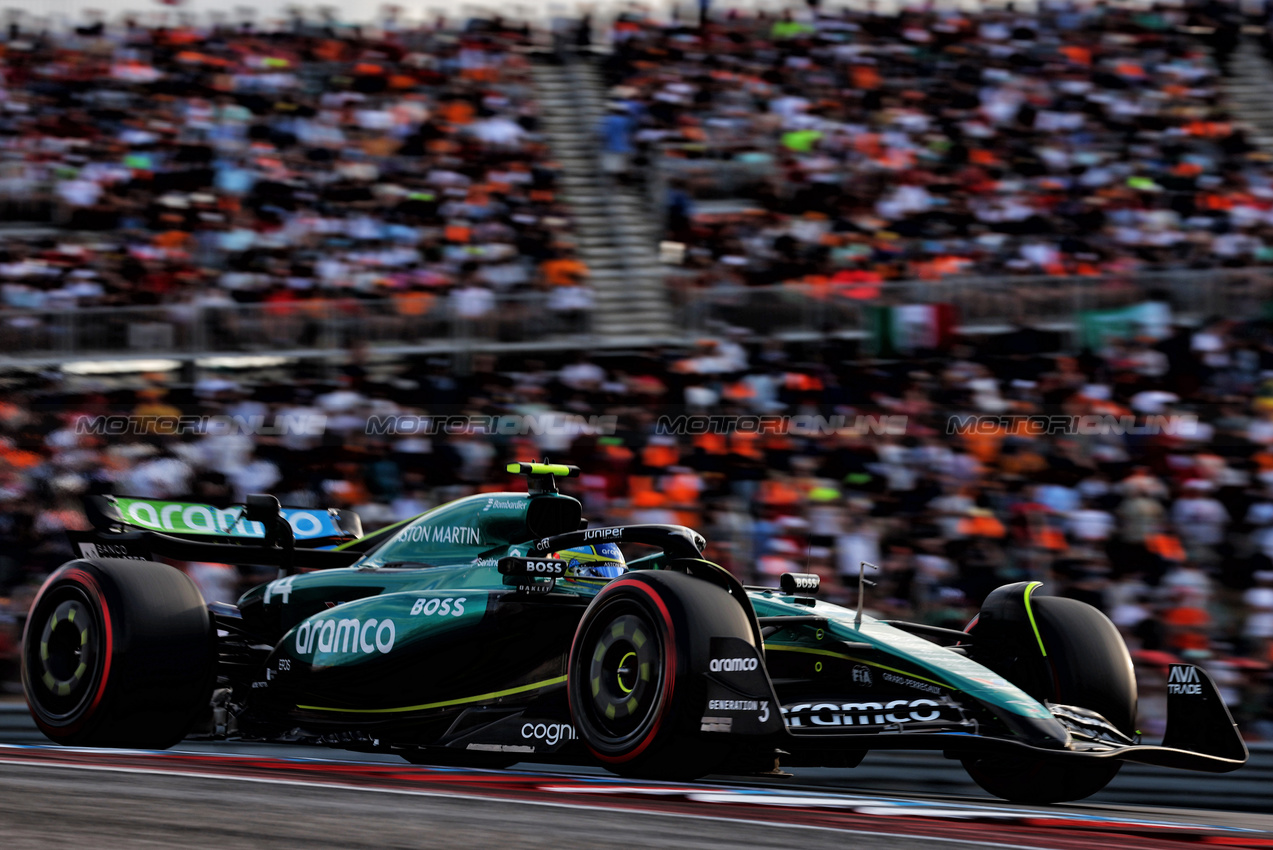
[(972, 624), (89, 583), (669, 678)]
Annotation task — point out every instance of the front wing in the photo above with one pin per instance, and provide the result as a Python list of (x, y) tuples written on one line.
[(1201, 734)]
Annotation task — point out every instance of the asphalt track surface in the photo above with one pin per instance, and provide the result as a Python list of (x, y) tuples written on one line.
[(222, 796)]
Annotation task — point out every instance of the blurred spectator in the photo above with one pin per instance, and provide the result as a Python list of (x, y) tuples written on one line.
[(1067, 140), (229, 168)]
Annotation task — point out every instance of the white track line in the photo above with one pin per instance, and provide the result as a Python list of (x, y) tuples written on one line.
[(410, 792)]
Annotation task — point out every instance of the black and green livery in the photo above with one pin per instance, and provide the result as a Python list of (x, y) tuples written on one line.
[(456, 638)]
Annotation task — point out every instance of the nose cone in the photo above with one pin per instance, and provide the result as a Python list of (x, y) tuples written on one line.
[(1046, 732)]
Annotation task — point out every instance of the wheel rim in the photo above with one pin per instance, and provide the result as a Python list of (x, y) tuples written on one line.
[(624, 675), (62, 658)]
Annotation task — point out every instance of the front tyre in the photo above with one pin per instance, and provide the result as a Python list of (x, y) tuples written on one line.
[(117, 653), (1039, 780), (634, 696), (1086, 665)]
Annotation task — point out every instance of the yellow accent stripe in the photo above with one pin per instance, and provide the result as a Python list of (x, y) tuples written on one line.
[(619, 679), (492, 695), (810, 651), (1030, 612)]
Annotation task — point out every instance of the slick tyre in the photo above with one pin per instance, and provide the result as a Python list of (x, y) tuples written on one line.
[(635, 699), (117, 653), (1086, 665)]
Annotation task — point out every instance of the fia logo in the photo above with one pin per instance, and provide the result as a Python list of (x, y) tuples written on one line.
[(862, 676), (1184, 680)]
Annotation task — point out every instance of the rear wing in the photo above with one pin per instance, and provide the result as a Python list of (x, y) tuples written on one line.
[(311, 527), (257, 533)]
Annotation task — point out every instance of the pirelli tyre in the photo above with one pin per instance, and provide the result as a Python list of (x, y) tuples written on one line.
[(634, 697), (1065, 652), (117, 653)]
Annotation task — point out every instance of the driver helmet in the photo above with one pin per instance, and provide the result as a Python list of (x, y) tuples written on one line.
[(603, 560)]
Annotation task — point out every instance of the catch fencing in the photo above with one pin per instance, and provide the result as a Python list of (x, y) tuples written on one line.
[(526, 320), (298, 326), (990, 304)]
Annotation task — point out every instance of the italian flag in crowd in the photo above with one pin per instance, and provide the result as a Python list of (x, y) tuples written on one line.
[(907, 328), (1098, 327)]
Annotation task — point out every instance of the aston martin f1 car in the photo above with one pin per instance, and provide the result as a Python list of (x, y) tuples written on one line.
[(466, 636)]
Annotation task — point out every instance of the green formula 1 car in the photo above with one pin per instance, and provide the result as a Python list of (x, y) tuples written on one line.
[(500, 628)]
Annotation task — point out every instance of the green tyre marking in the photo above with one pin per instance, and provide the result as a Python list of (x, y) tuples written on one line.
[(1030, 613)]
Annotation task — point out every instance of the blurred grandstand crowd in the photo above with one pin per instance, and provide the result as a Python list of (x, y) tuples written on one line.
[(223, 166), (194, 167), (1075, 139)]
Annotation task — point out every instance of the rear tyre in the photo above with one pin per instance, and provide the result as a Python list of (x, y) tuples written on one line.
[(634, 698), (1087, 665), (117, 653)]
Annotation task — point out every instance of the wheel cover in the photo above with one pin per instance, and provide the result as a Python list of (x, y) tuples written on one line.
[(63, 661), (623, 654)]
